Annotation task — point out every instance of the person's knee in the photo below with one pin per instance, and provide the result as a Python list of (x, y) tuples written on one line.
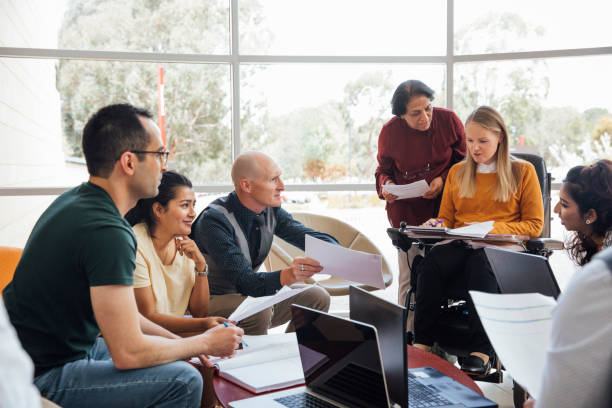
[(191, 384), (257, 324), (318, 298)]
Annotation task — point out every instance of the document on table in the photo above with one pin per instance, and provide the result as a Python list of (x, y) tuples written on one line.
[(519, 327), (269, 363), (476, 230), (355, 266), (416, 189), (252, 305)]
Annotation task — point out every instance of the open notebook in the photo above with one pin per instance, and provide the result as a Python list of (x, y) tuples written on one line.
[(269, 363)]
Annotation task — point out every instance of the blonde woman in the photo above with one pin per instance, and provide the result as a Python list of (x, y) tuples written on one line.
[(489, 185)]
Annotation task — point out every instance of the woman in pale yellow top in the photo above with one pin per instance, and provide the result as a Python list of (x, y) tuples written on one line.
[(170, 278)]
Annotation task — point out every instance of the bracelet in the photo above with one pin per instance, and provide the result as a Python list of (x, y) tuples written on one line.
[(203, 273)]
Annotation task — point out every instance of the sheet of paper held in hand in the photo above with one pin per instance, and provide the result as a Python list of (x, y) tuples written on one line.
[(416, 189), (519, 328), (355, 266), (252, 305)]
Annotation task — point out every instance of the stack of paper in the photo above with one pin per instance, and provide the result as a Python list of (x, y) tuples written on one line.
[(252, 305), (412, 190), (519, 328), (476, 230)]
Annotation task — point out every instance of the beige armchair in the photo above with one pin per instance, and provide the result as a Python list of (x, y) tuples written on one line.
[(282, 253)]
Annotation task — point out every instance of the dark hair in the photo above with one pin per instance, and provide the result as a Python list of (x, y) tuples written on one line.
[(143, 211), (109, 133), (405, 91), (591, 188)]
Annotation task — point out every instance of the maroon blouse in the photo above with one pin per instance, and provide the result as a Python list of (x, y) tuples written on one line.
[(406, 155)]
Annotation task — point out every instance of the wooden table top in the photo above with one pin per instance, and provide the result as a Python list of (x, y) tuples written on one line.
[(227, 392)]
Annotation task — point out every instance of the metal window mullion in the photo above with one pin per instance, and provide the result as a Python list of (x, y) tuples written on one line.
[(235, 85), (450, 51)]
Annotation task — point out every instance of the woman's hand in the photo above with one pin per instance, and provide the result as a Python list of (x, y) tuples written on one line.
[(188, 247), (213, 321), (435, 188), (433, 222), (388, 196)]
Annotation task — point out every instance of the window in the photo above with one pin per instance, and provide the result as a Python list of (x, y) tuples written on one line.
[(321, 121)]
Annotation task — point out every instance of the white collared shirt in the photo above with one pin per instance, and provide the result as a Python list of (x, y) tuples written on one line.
[(487, 168)]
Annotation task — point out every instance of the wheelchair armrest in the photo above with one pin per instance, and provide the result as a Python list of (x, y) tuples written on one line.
[(399, 239), (543, 245)]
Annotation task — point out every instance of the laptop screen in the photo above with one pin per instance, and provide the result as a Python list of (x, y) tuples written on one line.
[(518, 272), (340, 358), (390, 322)]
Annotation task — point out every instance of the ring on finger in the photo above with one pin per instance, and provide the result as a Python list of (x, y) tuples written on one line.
[(302, 267)]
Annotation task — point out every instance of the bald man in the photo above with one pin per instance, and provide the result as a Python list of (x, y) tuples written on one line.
[(235, 235)]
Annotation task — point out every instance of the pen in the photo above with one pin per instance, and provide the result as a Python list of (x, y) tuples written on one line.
[(242, 342), (438, 221)]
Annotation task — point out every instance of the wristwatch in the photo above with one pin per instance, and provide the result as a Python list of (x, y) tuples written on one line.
[(203, 273)]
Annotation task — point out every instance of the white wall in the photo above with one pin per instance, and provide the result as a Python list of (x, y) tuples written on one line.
[(30, 121)]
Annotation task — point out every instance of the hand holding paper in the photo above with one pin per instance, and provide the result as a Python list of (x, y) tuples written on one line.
[(416, 189), (356, 266)]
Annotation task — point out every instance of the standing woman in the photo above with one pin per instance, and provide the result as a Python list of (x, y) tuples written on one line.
[(490, 185), (419, 143), (171, 272)]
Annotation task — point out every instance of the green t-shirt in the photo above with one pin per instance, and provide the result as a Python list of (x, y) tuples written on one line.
[(80, 241)]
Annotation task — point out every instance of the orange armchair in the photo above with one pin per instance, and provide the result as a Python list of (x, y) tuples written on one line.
[(9, 257)]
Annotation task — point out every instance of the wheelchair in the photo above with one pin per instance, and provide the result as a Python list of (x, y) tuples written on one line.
[(454, 321)]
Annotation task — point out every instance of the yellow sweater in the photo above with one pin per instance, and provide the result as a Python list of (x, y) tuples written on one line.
[(522, 214)]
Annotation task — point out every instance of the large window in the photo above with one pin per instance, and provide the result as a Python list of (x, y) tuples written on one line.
[(309, 82)]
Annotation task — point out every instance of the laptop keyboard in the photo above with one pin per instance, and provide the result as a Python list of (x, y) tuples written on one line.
[(303, 400), (420, 395)]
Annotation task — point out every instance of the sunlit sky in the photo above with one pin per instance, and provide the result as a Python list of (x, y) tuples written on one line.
[(399, 27)]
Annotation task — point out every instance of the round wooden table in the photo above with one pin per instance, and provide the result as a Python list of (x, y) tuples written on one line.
[(227, 392)]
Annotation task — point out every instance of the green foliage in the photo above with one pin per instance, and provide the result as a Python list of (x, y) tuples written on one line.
[(197, 104)]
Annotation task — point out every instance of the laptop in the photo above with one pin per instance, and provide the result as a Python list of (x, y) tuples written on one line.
[(518, 272), (416, 387), (341, 362)]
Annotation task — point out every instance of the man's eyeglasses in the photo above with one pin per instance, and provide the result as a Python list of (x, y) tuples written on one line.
[(162, 156)]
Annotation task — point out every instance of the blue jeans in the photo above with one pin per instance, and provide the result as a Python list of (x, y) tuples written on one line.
[(95, 382)]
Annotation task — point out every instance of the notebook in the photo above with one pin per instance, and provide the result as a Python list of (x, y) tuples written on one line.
[(417, 387), (518, 272), (270, 362), (341, 363)]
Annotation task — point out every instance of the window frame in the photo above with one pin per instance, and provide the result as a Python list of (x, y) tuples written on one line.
[(235, 60)]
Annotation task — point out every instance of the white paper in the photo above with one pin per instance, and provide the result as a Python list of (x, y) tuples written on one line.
[(355, 266), (416, 189), (519, 328), (269, 362), (476, 230), (252, 305), (262, 348)]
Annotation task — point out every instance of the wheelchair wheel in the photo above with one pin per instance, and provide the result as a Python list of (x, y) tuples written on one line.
[(519, 395)]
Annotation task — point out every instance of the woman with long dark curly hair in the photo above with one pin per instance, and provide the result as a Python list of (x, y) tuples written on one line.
[(585, 208)]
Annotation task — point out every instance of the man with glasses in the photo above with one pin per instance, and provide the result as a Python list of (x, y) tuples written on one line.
[(74, 281)]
